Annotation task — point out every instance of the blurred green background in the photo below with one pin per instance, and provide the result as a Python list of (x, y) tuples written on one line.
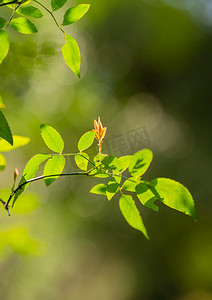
[(146, 68)]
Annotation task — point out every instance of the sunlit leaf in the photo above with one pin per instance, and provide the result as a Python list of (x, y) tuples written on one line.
[(52, 138), (3, 23), (125, 162), (3, 162), (57, 4), (112, 187), (29, 11), (23, 25), (82, 161), (174, 195), (18, 141), (99, 189), (5, 131), (131, 213), (29, 172), (146, 196), (54, 165), (71, 54), (111, 162), (140, 162), (4, 44), (73, 14), (86, 140), (129, 185)]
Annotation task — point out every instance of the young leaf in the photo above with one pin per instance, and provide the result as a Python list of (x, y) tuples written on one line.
[(73, 14), (99, 189), (86, 140), (4, 44), (54, 165), (140, 162), (52, 138), (146, 196), (112, 187), (23, 25), (29, 11), (5, 131), (29, 172), (131, 213), (18, 141), (82, 161), (2, 162), (174, 195), (57, 4), (3, 23), (71, 54)]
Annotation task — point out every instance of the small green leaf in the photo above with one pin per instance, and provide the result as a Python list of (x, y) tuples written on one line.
[(23, 25), (125, 162), (86, 140), (82, 161), (129, 185), (146, 196), (2, 105), (52, 138), (73, 14), (57, 4), (174, 195), (4, 44), (29, 172), (131, 213), (3, 23), (99, 189), (3, 162), (71, 54), (140, 162), (18, 141), (112, 188), (54, 166), (5, 131), (29, 11)]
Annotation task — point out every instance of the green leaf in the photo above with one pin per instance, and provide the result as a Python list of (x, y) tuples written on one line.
[(129, 185), (146, 196), (174, 195), (23, 25), (54, 166), (57, 4), (18, 141), (4, 44), (131, 213), (99, 189), (71, 54), (29, 11), (2, 105), (82, 161), (3, 162), (73, 14), (140, 162), (86, 140), (29, 172), (52, 138), (112, 187), (5, 131), (111, 162), (125, 162), (3, 23)]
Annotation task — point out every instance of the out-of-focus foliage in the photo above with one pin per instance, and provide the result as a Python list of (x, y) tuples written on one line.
[(146, 70)]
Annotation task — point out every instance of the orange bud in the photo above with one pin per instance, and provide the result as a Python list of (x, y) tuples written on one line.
[(16, 173)]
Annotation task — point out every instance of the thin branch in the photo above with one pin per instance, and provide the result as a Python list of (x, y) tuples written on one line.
[(10, 19), (11, 2), (51, 15)]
